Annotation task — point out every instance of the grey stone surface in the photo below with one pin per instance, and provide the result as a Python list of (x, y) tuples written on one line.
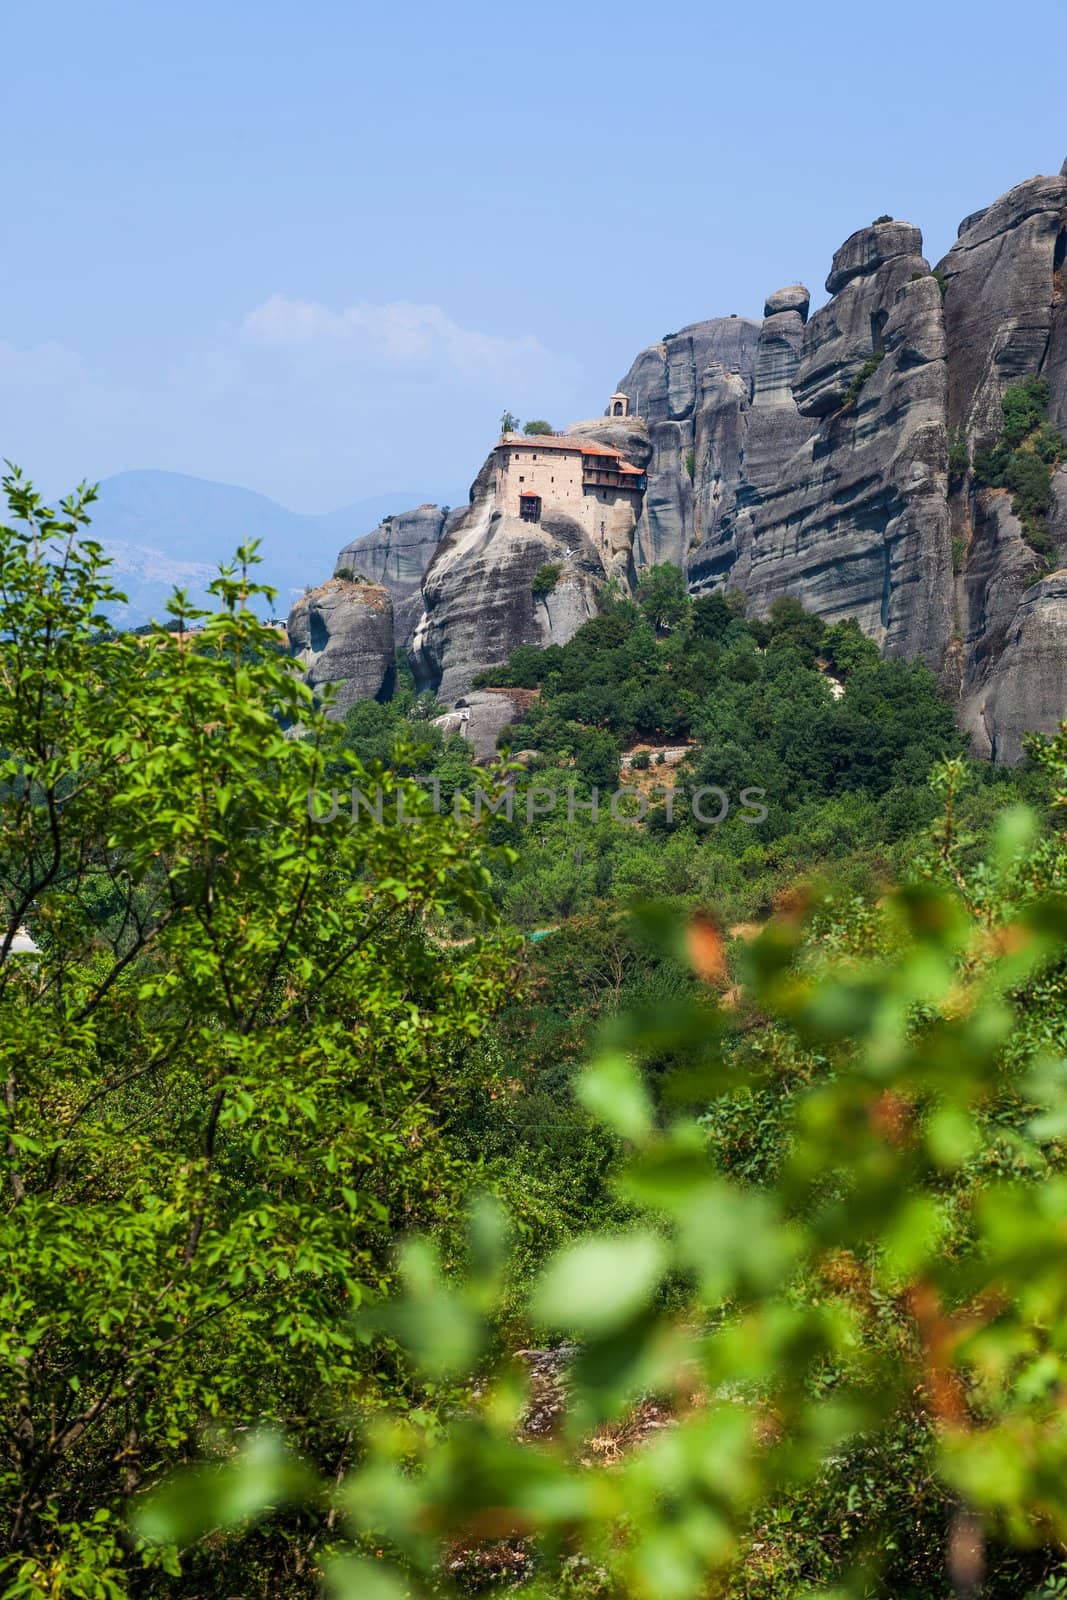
[(868, 249), (342, 634), (1000, 569), (794, 297), (766, 431), (396, 555), (1026, 689), (845, 504), (869, 270), (683, 388), (481, 715), (999, 303)]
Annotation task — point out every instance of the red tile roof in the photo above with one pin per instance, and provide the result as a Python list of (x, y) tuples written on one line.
[(560, 441)]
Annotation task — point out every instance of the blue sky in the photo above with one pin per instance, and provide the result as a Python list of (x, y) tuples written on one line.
[(317, 249)]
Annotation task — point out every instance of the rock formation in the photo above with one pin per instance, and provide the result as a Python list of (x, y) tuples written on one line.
[(481, 716), (396, 555), (688, 389), (807, 457), (478, 593), (766, 430), (1005, 319), (856, 521), (342, 634), (823, 472)]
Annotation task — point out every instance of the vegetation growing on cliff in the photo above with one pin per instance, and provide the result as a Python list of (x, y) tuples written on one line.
[(1024, 458), (545, 579), (867, 370)]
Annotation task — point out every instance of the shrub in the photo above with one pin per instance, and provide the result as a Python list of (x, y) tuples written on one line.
[(641, 761), (1048, 444), (691, 463), (545, 579), (1023, 458), (197, 1085), (868, 369), (885, 217), (538, 427), (1025, 407)]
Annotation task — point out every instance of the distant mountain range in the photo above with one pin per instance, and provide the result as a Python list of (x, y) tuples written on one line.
[(163, 529)]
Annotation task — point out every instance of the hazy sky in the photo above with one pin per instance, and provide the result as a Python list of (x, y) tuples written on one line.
[(316, 249)]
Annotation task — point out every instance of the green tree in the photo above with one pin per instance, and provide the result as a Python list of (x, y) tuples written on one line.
[(538, 427), (663, 597), (227, 1070), (858, 1325), (712, 615), (509, 423)]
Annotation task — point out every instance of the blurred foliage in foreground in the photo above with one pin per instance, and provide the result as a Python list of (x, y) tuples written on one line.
[(806, 1209), (889, 1300)]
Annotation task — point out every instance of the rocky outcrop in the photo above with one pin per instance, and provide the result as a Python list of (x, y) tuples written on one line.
[(482, 715), (1026, 688), (842, 496), (396, 555), (996, 585), (342, 634), (478, 594), (1001, 298), (686, 389), (809, 457), (856, 521), (1006, 319), (764, 430)]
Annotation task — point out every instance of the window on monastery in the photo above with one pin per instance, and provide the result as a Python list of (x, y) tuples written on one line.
[(530, 507)]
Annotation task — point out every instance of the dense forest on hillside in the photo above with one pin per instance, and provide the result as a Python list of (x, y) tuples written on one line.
[(836, 745), (632, 1204)]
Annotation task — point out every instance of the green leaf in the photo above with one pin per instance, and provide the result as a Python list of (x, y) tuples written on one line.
[(261, 1476), (612, 1090), (594, 1286), (355, 1578)]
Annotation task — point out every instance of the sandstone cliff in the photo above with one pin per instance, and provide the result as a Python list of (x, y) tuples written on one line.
[(809, 457), (820, 468), (478, 592), (1005, 319), (396, 555), (689, 388), (342, 634), (855, 521)]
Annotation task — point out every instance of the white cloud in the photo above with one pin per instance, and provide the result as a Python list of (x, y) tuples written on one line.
[(400, 331)]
